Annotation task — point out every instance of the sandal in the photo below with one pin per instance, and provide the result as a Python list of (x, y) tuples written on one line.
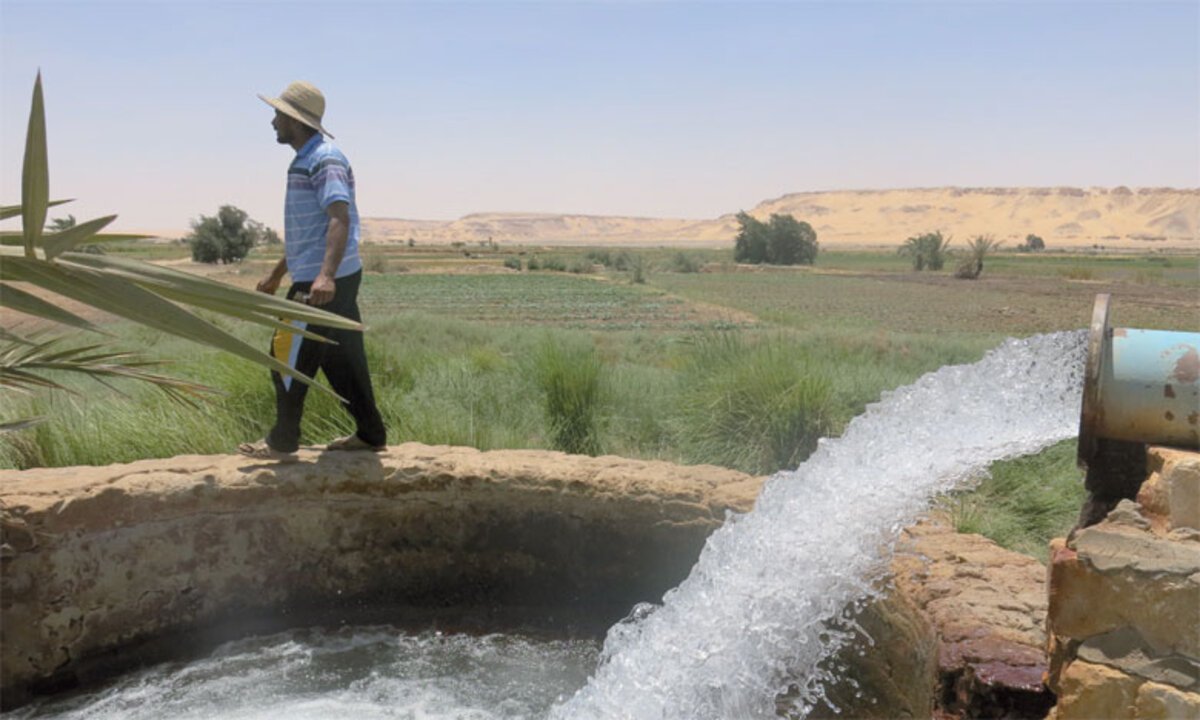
[(262, 451), (354, 442)]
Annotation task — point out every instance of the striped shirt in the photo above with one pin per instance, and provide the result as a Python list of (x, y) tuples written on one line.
[(319, 176)]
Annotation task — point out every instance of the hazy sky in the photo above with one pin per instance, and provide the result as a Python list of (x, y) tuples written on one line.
[(683, 109)]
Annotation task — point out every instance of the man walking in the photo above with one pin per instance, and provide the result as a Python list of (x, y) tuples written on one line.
[(321, 233)]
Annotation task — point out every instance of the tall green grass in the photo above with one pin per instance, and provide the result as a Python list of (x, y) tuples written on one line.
[(1024, 502), (569, 378), (750, 399), (755, 406), (99, 425)]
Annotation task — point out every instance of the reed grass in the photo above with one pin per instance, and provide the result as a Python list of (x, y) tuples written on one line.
[(1024, 502), (569, 377), (757, 406)]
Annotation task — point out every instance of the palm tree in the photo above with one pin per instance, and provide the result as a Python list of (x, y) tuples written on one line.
[(970, 267), (926, 251), (146, 294)]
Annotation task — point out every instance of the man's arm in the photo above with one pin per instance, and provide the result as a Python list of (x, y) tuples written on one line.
[(270, 283), (336, 237)]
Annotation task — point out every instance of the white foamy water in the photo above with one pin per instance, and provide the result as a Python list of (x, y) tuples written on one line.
[(759, 610), (358, 673)]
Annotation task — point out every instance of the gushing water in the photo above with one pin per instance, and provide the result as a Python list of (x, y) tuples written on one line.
[(760, 610)]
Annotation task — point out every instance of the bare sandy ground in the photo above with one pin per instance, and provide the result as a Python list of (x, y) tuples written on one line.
[(1066, 218)]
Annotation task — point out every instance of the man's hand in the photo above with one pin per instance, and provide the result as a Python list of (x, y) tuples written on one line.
[(322, 290), (268, 285)]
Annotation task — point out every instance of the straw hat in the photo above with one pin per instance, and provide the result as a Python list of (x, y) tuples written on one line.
[(302, 101)]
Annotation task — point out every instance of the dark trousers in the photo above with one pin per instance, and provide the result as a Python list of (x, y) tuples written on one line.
[(344, 365)]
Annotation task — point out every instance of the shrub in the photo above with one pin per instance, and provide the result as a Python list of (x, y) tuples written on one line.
[(1033, 243), (637, 270), (600, 257), (555, 264), (683, 262), (623, 261), (570, 381), (534, 263), (757, 408), (928, 251), (375, 262), (513, 262), (226, 237), (581, 266)]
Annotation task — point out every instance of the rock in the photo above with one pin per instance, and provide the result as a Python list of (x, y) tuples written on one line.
[(1179, 474), (959, 634), (1119, 576), (1128, 513), (1125, 650), (1162, 702), (1124, 616), (1089, 691)]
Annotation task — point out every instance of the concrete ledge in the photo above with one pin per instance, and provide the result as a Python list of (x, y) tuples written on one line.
[(95, 560)]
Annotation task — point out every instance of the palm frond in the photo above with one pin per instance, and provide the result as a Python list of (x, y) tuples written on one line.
[(35, 175), (10, 211), (17, 299), (24, 364)]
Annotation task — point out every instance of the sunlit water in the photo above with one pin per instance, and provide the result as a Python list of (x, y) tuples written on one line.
[(358, 674), (762, 612)]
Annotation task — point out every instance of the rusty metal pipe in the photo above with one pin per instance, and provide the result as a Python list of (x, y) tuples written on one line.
[(1139, 386)]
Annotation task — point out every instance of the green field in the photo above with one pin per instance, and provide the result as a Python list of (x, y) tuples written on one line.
[(731, 365), (547, 299)]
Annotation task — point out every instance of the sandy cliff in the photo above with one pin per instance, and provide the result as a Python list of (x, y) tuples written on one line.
[(1141, 218)]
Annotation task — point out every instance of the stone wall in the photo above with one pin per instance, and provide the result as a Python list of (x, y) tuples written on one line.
[(959, 635), (101, 568), (1124, 617)]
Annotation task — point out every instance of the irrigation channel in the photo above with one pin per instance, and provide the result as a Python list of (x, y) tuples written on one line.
[(766, 607)]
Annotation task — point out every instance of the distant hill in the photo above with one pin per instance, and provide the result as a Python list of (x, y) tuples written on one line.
[(1064, 217)]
